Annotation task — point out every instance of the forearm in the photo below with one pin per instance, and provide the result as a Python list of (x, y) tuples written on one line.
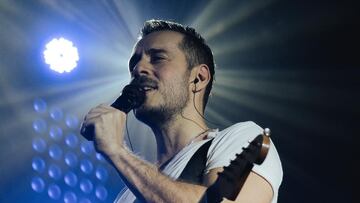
[(151, 183)]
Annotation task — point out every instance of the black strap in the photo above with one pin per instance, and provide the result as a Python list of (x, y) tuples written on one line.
[(194, 169)]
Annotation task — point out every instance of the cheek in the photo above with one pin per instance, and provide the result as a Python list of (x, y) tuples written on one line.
[(167, 80), (172, 78), (164, 74)]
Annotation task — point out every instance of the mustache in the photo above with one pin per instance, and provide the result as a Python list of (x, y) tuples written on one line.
[(143, 81)]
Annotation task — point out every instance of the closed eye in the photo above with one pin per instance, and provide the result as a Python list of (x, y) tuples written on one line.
[(157, 55), (157, 59)]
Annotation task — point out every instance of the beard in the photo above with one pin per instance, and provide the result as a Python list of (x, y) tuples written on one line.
[(175, 97)]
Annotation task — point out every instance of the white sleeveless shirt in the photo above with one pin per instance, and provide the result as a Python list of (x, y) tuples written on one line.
[(226, 144)]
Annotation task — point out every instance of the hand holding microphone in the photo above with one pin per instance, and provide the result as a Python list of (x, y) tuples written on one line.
[(103, 116)]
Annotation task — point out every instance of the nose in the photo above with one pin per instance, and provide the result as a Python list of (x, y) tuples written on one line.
[(141, 68)]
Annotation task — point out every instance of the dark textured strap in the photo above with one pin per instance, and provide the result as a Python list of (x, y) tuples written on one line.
[(194, 169)]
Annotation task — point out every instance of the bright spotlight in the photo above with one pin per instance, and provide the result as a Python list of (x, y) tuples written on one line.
[(61, 55)]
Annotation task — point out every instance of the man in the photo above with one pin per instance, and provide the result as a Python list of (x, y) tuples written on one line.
[(177, 70)]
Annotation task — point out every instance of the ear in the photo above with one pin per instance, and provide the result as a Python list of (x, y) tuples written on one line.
[(201, 77)]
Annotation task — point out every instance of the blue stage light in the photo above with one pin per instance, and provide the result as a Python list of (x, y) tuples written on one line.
[(55, 152), (72, 121), (100, 157), (56, 113), (54, 171), (55, 133), (38, 164), (70, 179), (74, 181), (86, 186), (40, 106), (86, 166), (70, 197), (101, 192), (54, 191), (71, 140), (61, 55), (71, 159), (87, 147), (37, 184), (101, 173), (39, 144), (39, 125)]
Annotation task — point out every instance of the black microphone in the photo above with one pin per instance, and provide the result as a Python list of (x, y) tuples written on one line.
[(133, 96)]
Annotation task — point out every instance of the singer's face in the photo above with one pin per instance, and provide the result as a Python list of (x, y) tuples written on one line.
[(159, 58)]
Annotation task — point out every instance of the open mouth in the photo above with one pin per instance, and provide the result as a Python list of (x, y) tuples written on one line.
[(148, 88)]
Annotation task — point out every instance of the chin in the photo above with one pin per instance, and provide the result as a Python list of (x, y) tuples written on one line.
[(150, 115), (144, 114)]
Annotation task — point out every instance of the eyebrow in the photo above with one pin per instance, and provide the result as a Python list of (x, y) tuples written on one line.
[(155, 51), (136, 57)]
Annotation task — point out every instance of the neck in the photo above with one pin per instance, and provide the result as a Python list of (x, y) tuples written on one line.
[(177, 133)]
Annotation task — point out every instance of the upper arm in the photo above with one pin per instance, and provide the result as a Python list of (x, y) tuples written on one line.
[(255, 189)]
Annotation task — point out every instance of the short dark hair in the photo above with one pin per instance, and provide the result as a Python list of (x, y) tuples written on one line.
[(193, 44)]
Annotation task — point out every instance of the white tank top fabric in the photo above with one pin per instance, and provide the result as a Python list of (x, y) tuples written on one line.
[(226, 144)]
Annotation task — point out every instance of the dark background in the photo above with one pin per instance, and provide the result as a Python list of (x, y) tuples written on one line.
[(292, 66)]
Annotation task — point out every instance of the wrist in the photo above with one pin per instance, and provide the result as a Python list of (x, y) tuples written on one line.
[(117, 152)]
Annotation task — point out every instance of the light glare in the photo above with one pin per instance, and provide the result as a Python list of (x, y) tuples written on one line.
[(61, 55)]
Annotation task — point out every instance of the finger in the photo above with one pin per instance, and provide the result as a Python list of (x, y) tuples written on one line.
[(91, 116), (88, 128), (107, 107), (102, 109), (98, 109)]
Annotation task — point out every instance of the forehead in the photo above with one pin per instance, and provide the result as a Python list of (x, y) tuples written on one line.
[(167, 40)]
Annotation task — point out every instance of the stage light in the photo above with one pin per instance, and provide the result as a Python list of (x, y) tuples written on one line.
[(71, 159), (55, 133), (72, 121), (55, 152), (54, 171), (87, 147), (39, 144), (61, 55), (101, 192), (66, 167), (54, 191), (86, 186), (86, 166), (38, 164), (56, 113), (37, 184), (70, 179), (39, 125), (71, 140), (70, 197), (101, 173), (100, 157), (40, 105)]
